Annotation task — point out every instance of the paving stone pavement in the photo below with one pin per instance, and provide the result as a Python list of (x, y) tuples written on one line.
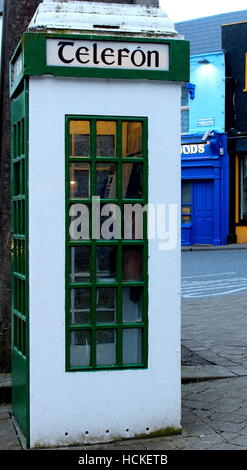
[(214, 412), (8, 436), (215, 328), (214, 418)]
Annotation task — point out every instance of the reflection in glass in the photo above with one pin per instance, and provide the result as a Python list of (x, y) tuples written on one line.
[(103, 219), (80, 306), (80, 345), (186, 202), (132, 139), (132, 346), (135, 216), (80, 264), (186, 214), (79, 138), (106, 180), (106, 263), (110, 222), (132, 304), (105, 305), (79, 180), (105, 347), (132, 180), (132, 263), (186, 192), (106, 139)]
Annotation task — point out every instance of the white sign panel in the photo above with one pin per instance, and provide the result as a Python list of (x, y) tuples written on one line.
[(107, 54), (204, 122)]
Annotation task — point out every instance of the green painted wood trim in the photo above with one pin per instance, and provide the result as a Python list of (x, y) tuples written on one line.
[(20, 268), (33, 45), (26, 146), (17, 113)]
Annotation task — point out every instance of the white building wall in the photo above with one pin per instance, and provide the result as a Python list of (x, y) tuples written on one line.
[(66, 405)]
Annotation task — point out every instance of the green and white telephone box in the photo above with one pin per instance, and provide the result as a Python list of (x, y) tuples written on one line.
[(95, 119)]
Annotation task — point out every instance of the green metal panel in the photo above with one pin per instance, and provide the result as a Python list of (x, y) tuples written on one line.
[(33, 48), (19, 224)]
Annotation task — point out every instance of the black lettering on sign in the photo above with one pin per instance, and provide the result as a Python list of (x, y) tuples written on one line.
[(121, 55), (82, 51), (149, 58), (62, 45), (95, 54), (105, 54), (138, 58)]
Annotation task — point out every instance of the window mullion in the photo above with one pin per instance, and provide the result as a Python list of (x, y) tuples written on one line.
[(119, 258), (119, 306), (93, 244)]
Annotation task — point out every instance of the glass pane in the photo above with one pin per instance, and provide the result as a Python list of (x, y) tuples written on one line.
[(186, 193), (79, 221), (132, 180), (132, 139), (105, 347), (184, 120), (79, 180), (106, 139), (134, 221), (106, 263), (80, 306), (132, 263), (80, 264), (132, 304), (106, 180), (105, 305), (110, 222), (79, 138), (186, 209), (186, 219), (132, 346), (80, 345), (17, 178)]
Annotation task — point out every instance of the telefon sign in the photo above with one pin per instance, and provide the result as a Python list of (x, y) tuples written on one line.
[(107, 54)]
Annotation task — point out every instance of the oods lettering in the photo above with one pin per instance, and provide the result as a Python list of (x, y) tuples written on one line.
[(192, 149)]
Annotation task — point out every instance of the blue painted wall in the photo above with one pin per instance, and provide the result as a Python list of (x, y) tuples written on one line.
[(207, 109), (207, 164), (207, 170)]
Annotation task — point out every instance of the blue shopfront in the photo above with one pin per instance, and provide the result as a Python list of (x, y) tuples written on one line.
[(205, 189)]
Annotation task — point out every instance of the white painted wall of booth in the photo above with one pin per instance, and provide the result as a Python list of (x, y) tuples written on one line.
[(75, 402)]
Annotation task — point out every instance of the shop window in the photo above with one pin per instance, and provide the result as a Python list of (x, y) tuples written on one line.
[(106, 278), (243, 189), (186, 203)]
